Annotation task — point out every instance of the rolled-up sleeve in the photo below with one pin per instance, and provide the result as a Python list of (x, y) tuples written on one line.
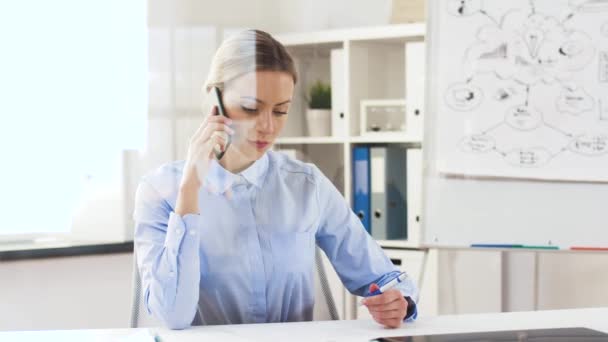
[(167, 248), (355, 255)]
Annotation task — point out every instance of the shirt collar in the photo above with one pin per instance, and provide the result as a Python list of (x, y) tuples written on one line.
[(256, 173), (219, 179)]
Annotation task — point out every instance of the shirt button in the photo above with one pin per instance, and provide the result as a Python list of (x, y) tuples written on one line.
[(192, 232)]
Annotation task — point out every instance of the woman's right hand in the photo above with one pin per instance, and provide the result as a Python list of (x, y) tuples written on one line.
[(211, 133)]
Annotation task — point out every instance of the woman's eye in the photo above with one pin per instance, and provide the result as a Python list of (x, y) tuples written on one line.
[(277, 112), (249, 110)]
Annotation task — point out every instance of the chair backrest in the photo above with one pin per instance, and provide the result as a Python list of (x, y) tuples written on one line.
[(324, 309), (139, 314)]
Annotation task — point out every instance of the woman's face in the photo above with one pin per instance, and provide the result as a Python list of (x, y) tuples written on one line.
[(258, 103)]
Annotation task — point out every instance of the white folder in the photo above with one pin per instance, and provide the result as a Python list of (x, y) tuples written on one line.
[(338, 93)]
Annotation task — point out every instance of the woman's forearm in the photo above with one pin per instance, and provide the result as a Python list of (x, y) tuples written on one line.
[(187, 201), (171, 273)]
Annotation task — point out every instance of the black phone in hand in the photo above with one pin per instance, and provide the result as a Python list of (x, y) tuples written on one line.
[(221, 110)]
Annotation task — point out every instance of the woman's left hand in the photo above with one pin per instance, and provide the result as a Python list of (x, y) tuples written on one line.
[(388, 308)]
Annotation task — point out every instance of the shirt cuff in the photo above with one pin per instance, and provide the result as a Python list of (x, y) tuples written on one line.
[(180, 228), (412, 310)]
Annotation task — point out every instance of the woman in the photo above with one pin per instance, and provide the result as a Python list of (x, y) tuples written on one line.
[(235, 238)]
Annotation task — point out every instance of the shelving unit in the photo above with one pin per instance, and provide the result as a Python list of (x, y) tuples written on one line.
[(387, 138), (378, 63), (371, 139), (396, 32), (310, 140)]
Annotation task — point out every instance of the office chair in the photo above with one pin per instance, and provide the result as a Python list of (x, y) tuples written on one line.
[(324, 309)]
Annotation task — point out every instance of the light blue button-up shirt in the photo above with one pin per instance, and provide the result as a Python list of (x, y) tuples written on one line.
[(249, 256)]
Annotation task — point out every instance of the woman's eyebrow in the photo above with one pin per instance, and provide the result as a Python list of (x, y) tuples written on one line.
[(260, 101), (252, 98), (282, 103)]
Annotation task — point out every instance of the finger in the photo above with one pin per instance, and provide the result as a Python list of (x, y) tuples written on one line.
[(395, 305), (389, 307), (219, 118), (217, 149), (215, 127), (385, 315), (212, 117), (220, 137), (392, 323), (384, 298), (203, 149), (203, 124), (389, 323), (389, 313), (202, 142), (218, 143)]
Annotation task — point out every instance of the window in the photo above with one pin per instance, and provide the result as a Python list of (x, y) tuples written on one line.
[(73, 98)]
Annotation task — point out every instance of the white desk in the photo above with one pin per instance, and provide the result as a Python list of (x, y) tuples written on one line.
[(361, 330)]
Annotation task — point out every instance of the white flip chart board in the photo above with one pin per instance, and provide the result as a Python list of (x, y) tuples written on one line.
[(516, 143)]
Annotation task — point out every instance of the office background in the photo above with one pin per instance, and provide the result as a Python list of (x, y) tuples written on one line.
[(53, 293)]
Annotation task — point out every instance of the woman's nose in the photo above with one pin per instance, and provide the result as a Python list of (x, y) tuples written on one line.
[(265, 122)]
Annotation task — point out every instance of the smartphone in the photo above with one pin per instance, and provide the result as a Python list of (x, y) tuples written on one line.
[(221, 111)]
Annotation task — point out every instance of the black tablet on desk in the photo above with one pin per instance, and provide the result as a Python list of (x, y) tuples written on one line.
[(540, 335)]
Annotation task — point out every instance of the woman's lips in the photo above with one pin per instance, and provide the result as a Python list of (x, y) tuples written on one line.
[(260, 144)]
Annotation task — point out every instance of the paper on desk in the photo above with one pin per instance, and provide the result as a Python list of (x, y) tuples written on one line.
[(322, 331), (138, 336), (121, 335), (208, 333)]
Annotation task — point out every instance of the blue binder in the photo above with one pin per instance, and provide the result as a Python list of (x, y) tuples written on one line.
[(361, 184)]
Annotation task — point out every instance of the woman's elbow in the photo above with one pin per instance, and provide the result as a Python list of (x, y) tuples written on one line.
[(177, 323), (176, 320), (172, 318)]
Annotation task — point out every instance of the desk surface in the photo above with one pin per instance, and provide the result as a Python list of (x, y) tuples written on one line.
[(362, 330), (60, 248)]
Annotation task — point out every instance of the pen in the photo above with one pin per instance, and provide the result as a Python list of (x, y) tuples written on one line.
[(154, 335), (401, 277)]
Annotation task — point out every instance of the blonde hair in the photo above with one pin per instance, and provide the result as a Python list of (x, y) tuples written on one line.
[(248, 51)]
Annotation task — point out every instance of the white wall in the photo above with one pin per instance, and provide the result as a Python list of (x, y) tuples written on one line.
[(260, 14), (485, 281), (66, 293), (469, 282), (573, 280), (312, 15)]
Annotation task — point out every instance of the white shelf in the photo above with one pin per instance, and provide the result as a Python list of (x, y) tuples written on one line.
[(310, 140), (397, 244), (416, 30), (370, 139), (385, 138)]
